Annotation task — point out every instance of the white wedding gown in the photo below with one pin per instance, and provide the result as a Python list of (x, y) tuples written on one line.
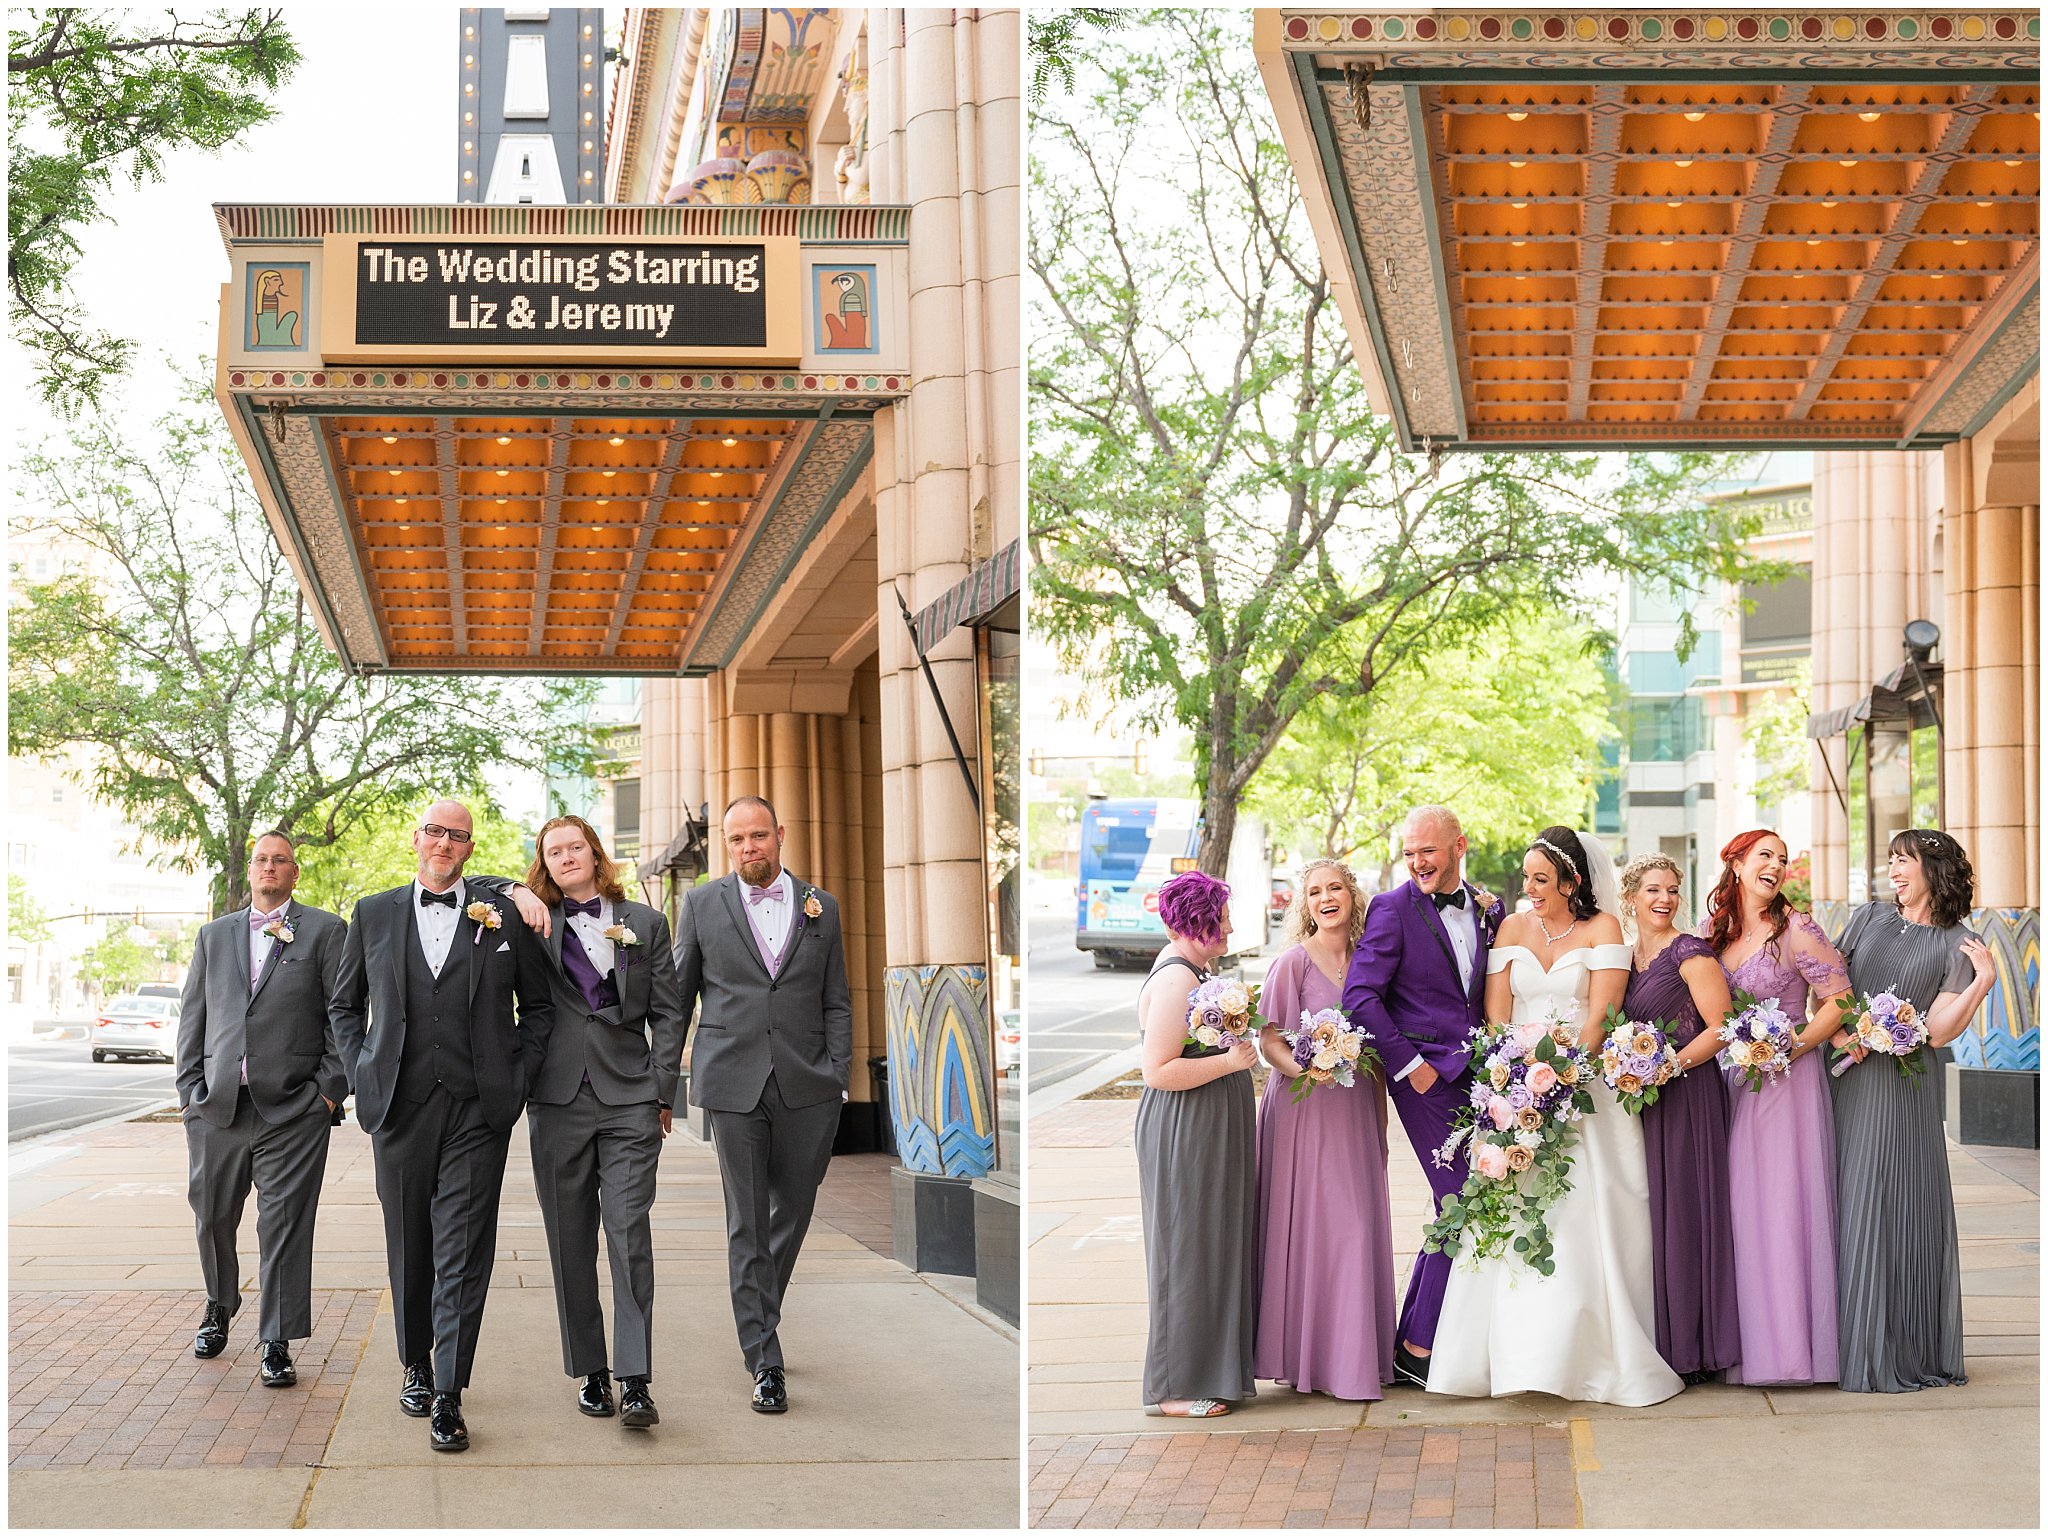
[(1587, 1330)]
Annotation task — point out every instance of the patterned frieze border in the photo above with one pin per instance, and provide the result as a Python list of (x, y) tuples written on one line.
[(1662, 39), (813, 224), (568, 389), (305, 483), (2006, 360)]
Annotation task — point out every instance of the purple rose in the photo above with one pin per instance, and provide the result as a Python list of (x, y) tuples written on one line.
[(1903, 1037), (1520, 1097), (1212, 1016), (1305, 1051)]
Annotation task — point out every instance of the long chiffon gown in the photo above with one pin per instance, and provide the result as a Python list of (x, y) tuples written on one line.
[(1685, 1140), (1583, 1332), (1781, 1172), (1326, 1242), (1197, 1202), (1901, 1283)]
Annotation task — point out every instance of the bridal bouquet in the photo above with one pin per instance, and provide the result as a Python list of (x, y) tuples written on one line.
[(1329, 1049), (1637, 1060), (1887, 1024), (1758, 1039), (1529, 1091), (1221, 1013)]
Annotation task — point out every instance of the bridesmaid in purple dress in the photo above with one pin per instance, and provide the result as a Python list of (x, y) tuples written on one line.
[(1685, 1134), (1781, 1139), (1326, 1243)]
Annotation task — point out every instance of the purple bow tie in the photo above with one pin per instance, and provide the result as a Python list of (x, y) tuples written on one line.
[(590, 908), (769, 893), (257, 920)]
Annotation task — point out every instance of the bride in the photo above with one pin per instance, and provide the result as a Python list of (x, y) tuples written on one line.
[(1586, 1331)]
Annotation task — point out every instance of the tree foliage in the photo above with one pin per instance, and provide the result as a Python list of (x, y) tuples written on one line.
[(96, 96), (117, 962), (376, 853), (1053, 38), (1506, 732), (1223, 533), (1775, 734), (185, 657), (26, 922)]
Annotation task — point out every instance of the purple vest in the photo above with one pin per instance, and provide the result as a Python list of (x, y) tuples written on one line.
[(599, 992)]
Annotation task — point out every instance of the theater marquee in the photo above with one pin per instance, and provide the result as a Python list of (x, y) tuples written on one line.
[(560, 301)]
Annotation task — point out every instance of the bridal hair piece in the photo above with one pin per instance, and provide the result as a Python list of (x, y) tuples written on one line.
[(1632, 875), (1572, 859), (1570, 863)]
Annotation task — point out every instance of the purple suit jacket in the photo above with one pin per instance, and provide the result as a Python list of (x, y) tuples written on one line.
[(1403, 984)]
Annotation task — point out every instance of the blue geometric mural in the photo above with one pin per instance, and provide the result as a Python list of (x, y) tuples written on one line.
[(939, 1076), (2006, 1033)]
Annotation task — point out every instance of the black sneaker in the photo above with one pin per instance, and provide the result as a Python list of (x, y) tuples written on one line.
[(1410, 1367)]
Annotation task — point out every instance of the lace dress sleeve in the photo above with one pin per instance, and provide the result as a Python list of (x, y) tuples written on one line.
[(1816, 959)]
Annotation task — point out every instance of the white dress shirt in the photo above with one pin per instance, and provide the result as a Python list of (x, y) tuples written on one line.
[(770, 919), (437, 923), (260, 943), (589, 933)]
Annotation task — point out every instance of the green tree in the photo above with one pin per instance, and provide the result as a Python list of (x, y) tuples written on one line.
[(1052, 39), (26, 923), (96, 96), (186, 658), (1223, 533), (376, 853), (1775, 734), (117, 962), (1506, 732)]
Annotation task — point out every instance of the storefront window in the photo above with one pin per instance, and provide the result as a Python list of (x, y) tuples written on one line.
[(1926, 776), (1002, 838), (1859, 817)]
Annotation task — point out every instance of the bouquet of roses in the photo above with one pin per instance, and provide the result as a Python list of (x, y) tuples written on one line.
[(1222, 1013), (1637, 1060), (1884, 1023), (1758, 1038), (1529, 1091), (1329, 1049)]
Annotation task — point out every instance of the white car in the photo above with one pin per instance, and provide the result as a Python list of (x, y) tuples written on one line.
[(136, 1026), (1009, 1039)]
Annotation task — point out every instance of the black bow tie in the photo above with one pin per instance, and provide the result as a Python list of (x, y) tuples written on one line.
[(591, 908), (444, 898), (1444, 899)]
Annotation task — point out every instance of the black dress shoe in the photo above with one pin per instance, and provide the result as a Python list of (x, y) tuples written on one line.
[(444, 1425), (770, 1396), (1410, 1367), (416, 1398), (212, 1337), (636, 1407), (1698, 1378), (595, 1396), (277, 1368)]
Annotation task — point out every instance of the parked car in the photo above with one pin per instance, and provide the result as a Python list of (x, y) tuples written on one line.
[(136, 1026), (159, 990), (1283, 897), (1009, 1039)]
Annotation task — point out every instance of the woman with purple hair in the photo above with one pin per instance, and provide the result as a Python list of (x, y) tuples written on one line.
[(1196, 1179)]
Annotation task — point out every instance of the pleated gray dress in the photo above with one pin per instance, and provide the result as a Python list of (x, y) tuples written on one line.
[(1198, 1199), (1898, 1278)]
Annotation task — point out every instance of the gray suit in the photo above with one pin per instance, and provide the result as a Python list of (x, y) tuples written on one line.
[(770, 1067), (273, 1132), (602, 1076)]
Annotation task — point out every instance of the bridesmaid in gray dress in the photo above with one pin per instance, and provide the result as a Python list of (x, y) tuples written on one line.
[(1197, 1184), (1898, 1278)]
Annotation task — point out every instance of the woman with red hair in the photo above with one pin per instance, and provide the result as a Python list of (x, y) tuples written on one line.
[(1781, 1138)]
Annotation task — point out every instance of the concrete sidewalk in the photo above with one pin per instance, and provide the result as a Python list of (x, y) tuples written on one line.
[(1714, 1456), (903, 1393)]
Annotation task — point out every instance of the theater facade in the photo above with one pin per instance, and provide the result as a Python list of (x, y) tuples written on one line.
[(744, 423), (1752, 229)]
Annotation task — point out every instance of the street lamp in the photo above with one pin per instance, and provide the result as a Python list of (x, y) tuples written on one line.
[(1921, 637)]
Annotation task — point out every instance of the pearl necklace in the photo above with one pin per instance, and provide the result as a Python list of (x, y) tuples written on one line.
[(1549, 938)]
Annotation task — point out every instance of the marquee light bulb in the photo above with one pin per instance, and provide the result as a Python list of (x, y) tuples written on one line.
[(1518, 117), (732, 442), (390, 439), (1695, 117), (618, 442)]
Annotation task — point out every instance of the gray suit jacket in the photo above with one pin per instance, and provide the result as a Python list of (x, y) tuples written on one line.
[(799, 1021), (633, 1053), (293, 1057)]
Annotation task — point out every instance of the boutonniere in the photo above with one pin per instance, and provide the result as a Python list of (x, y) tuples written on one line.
[(279, 930), (619, 934), (813, 908), (485, 917)]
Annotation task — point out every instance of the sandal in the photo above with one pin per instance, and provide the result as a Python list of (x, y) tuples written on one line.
[(1197, 1409)]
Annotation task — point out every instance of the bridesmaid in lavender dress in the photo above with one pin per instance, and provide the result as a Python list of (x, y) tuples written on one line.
[(1781, 1139), (1685, 1134), (1326, 1243)]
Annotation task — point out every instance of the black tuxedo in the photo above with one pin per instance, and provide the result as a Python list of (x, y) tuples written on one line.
[(438, 1065)]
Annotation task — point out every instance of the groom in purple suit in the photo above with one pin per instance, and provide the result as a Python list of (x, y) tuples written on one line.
[(1417, 987)]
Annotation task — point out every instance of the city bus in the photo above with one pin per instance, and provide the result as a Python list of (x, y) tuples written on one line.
[(1129, 848)]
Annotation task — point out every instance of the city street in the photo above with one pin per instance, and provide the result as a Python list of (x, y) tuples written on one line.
[(1077, 1014), (53, 1083)]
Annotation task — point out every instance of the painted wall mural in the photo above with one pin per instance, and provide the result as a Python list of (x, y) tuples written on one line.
[(940, 1103), (844, 306), (2006, 1032), (274, 318)]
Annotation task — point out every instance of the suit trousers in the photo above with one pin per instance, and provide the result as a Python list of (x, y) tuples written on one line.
[(1427, 1119), (771, 1160), (286, 1163), (440, 1168), (595, 1162)]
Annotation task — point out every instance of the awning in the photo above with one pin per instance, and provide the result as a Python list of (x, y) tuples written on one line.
[(1891, 699), (688, 854), (973, 600)]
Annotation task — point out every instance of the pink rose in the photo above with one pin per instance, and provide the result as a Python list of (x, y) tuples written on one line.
[(1491, 1160), (1542, 1078), (1501, 1111)]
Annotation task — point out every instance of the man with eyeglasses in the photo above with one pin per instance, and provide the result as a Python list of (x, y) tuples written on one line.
[(260, 1085), (429, 1036)]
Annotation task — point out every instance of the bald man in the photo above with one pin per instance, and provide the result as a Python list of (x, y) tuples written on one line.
[(424, 1018)]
